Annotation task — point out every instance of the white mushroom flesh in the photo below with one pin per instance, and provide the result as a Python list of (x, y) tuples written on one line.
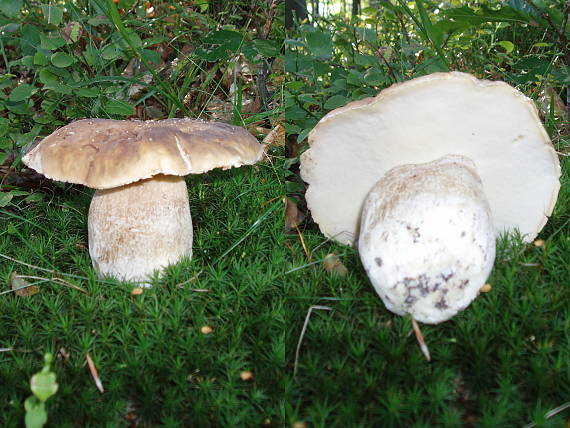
[(427, 239), (421, 120), (140, 228)]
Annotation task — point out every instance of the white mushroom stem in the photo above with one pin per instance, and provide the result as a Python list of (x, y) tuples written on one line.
[(427, 239), (139, 228)]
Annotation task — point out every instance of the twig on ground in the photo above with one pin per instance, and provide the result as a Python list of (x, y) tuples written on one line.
[(307, 253), (94, 373), (420, 338), (316, 307), (194, 278), (551, 413)]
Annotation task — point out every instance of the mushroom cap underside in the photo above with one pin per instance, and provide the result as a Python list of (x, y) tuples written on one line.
[(106, 153), (423, 119)]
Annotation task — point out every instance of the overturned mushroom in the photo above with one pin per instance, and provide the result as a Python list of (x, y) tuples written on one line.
[(139, 218), (425, 175)]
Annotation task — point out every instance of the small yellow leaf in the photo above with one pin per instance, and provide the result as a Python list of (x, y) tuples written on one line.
[(332, 264), (486, 288), (137, 291), (22, 287), (539, 243), (246, 375), (206, 329)]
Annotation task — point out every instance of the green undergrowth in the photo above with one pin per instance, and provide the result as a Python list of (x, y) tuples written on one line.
[(156, 365), (503, 362)]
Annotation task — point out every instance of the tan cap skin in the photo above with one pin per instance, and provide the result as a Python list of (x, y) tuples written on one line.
[(139, 219), (419, 175)]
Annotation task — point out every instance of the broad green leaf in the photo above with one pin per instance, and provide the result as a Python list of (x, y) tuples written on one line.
[(319, 44), (22, 92), (99, 20), (59, 87), (36, 415), (31, 38), (52, 41), (339, 84), (43, 384), (46, 76), (43, 118), (40, 59), (4, 127), (119, 107), (52, 14), (5, 199), (91, 55), (27, 61), (62, 59), (335, 101), (21, 108), (295, 85), (154, 40), (34, 197), (367, 34), (365, 60), (86, 92), (308, 99), (354, 78), (219, 45), (267, 48), (151, 56), (303, 134), (121, 43), (370, 11), (506, 45), (295, 113), (109, 52), (484, 14), (11, 8), (374, 77)]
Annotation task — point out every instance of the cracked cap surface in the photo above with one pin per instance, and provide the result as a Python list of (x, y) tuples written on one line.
[(106, 153)]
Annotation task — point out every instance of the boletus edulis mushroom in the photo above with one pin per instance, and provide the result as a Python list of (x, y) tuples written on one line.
[(139, 219), (423, 177)]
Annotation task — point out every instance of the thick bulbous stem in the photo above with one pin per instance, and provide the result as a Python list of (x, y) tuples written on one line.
[(140, 228), (427, 239)]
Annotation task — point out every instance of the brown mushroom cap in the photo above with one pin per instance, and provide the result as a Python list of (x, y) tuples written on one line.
[(106, 153)]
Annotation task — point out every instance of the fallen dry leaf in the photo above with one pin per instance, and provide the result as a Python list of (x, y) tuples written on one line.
[(539, 243), (94, 373), (206, 329), (22, 287), (137, 291), (64, 354), (486, 288), (246, 375), (276, 137), (420, 339), (293, 217), (332, 264)]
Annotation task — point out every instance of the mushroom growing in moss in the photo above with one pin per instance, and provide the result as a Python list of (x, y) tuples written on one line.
[(139, 218), (422, 177)]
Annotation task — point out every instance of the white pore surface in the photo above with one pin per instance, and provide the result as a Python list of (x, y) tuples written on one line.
[(427, 240), (140, 228), (424, 119)]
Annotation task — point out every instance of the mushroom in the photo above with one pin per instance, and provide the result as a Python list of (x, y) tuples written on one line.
[(425, 175), (139, 218)]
